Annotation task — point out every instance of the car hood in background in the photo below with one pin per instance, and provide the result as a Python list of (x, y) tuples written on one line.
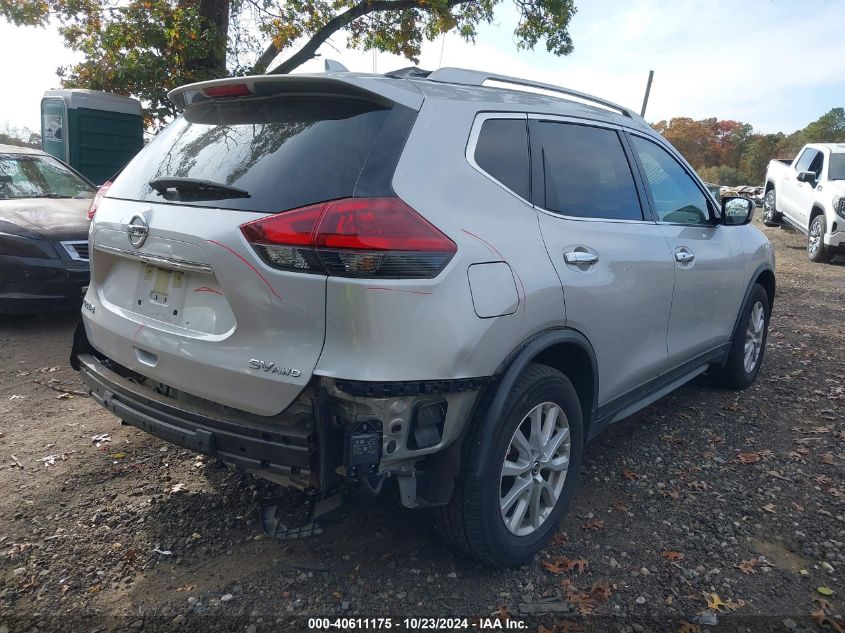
[(48, 218)]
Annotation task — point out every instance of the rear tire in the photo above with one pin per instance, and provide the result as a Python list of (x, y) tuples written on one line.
[(817, 250), (771, 217), (748, 343), (512, 491)]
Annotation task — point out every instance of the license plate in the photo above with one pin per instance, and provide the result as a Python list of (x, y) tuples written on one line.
[(162, 292)]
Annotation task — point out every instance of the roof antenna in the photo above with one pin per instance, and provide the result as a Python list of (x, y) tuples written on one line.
[(335, 67)]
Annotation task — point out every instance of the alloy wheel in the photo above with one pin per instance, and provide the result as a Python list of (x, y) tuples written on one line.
[(815, 239), (754, 336), (769, 206), (534, 469)]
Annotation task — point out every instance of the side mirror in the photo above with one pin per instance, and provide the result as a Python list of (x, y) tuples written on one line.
[(807, 176), (737, 211)]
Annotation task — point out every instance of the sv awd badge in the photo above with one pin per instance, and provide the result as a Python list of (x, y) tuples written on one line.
[(273, 368)]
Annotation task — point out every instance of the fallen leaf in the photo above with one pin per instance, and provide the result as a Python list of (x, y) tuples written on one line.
[(560, 538), (713, 601), (689, 627), (674, 494), (748, 458), (824, 605), (825, 591), (503, 613), (629, 474), (747, 566), (186, 588), (570, 626), (822, 619), (15, 396), (117, 455), (618, 506), (769, 507), (175, 488), (593, 524), (826, 458), (64, 396), (672, 557), (563, 565)]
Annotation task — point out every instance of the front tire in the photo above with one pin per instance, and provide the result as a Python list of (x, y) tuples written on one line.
[(771, 217), (817, 250), (748, 344), (518, 473)]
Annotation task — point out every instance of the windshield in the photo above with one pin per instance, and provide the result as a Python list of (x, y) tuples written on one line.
[(837, 167), (280, 153), (33, 176)]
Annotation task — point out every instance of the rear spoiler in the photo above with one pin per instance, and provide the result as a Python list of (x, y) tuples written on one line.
[(376, 88)]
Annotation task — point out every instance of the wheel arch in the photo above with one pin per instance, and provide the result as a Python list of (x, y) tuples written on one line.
[(816, 211), (564, 349), (766, 278)]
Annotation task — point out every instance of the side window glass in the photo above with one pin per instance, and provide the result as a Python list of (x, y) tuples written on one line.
[(807, 157), (502, 152), (677, 198), (587, 173), (816, 165)]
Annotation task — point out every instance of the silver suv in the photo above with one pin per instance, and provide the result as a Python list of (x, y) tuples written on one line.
[(447, 280)]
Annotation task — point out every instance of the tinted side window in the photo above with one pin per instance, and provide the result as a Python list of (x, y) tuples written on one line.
[(586, 172), (677, 198), (502, 151), (807, 157), (817, 165)]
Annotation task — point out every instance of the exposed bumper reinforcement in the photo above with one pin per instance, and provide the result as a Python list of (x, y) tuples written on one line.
[(268, 448)]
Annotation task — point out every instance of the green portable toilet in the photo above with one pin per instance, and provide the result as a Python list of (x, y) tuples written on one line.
[(95, 132)]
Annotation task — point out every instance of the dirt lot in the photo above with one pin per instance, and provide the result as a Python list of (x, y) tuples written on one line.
[(710, 498)]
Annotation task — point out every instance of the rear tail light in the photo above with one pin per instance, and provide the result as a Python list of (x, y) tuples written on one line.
[(227, 91), (97, 197), (352, 237)]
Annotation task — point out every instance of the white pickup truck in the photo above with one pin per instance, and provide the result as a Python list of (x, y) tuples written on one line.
[(808, 193)]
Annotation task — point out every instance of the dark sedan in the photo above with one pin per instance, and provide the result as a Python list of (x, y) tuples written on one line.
[(43, 232)]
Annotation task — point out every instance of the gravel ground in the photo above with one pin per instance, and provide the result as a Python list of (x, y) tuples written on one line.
[(711, 510)]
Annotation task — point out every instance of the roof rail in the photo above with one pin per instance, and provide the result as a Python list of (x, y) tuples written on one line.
[(478, 77)]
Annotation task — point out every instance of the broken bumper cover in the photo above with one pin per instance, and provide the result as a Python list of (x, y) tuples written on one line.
[(262, 448)]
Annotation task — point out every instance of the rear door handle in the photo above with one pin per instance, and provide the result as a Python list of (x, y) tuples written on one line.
[(684, 257), (580, 257)]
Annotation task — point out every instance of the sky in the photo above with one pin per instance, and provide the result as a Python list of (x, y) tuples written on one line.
[(777, 64)]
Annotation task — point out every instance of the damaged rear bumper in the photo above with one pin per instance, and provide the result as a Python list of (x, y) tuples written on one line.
[(283, 451), (336, 431)]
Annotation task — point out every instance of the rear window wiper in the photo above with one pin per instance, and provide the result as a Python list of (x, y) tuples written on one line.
[(50, 195), (196, 188)]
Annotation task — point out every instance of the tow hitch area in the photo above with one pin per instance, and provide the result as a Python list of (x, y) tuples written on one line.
[(318, 504), (361, 456)]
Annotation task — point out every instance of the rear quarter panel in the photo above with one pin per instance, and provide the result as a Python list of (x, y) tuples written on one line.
[(388, 330)]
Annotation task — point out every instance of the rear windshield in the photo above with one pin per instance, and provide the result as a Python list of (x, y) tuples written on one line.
[(285, 152)]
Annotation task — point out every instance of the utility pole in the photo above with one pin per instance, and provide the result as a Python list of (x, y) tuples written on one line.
[(647, 92)]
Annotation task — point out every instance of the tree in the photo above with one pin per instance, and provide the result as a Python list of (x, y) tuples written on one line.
[(21, 137), (145, 48), (721, 175), (828, 128)]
